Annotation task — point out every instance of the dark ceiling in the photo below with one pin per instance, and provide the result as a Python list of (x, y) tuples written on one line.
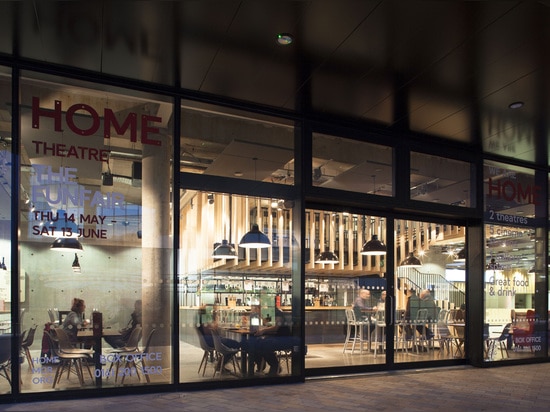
[(443, 68)]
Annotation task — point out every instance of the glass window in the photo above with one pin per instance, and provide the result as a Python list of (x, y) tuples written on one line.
[(440, 180), (235, 287), (96, 221), (513, 318), (235, 144), (6, 189), (352, 165)]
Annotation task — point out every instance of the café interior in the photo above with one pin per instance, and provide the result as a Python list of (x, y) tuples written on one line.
[(250, 236)]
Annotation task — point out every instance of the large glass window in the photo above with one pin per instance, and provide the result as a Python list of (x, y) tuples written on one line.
[(440, 180), (237, 248), (235, 287), (514, 322), (6, 195), (96, 224), (355, 166)]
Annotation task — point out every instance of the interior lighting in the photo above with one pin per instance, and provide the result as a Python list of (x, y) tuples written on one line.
[(411, 261), (285, 39), (76, 264), (254, 239), (374, 247), (326, 257), (66, 244), (515, 105), (224, 250)]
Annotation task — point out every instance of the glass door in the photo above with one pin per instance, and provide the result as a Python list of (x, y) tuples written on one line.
[(430, 301)]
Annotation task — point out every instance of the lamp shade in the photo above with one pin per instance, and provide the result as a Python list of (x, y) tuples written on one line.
[(411, 261), (461, 255), (224, 250), (374, 247), (326, 257), (64, 244), (254, 239)]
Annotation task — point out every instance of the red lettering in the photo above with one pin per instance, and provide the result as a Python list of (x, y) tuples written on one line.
[(494, 188), (54, 114), (145, 129), (111, 121), (69, 118), (510, 191)]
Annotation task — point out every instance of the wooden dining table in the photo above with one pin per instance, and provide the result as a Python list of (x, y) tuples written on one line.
[(89, 336)]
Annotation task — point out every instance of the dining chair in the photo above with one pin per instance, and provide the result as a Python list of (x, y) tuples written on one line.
[(354, 331), (67, 361), (379, 331), (26, 345), (419, 329), (67, 346), (5, 356), (222, 352), (443, 334), (208, 351), (138, 360), (131, 347)]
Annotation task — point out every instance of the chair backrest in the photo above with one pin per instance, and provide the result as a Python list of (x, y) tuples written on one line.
[(505, 332), (53, 342), (380, 317), (148, 341), (30, 337), (135, 337), (202, 341), (218, 344), (5, 348), (422, 315), (64, 342)]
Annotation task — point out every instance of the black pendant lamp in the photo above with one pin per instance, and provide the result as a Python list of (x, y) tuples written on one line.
[(66, 244), (326, 257), (411, 261), (374, 247), (224, 250), (254, 239)]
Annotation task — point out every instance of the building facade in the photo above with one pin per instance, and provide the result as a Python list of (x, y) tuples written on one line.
[(243, 237)]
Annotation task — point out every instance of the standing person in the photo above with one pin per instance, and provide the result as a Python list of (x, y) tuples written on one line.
[(75, 319), (411, 311), (427, 302), (135, 319)]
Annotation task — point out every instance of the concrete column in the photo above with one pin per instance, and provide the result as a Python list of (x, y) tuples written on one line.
[(156, 273)]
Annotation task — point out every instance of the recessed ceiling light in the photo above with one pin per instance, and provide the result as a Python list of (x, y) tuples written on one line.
[(515, 105), (284, 39)]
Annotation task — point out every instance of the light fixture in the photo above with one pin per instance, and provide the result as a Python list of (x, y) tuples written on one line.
[(374, 247), (76, 264), (285, 39), (210, 198), (411, 261), (254, 239), (3, 265), (224, 250), (64, 244), (515, 105), (326, 257), (461, 255)]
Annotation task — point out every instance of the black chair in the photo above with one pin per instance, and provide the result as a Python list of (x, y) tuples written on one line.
[(208, 351), (5, 356), (26, 345)]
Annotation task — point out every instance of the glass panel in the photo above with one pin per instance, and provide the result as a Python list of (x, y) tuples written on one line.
[(351, 165), (429, 291), (344, 288), (440, 180), (233, 144), (6, 189), (236, 301), (95, 165), (513, 329)]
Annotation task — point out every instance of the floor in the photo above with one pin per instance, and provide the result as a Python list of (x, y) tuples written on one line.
[(509, 388)]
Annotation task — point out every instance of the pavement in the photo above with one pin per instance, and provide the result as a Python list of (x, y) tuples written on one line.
[(462, 388)]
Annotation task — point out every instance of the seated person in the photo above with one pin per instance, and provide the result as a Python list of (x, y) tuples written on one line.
[(135, 319), (364, 303), (75, 319), (272, 339)]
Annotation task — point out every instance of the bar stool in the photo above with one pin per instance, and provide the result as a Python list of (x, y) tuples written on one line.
[(354, 331)]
